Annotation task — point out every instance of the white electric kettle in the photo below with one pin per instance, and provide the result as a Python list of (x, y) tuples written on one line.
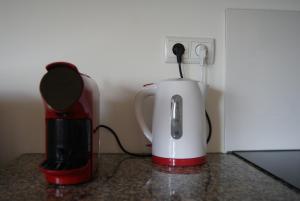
[(179, 128)]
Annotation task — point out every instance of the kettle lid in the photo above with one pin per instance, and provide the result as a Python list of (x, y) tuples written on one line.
[(178, 80)]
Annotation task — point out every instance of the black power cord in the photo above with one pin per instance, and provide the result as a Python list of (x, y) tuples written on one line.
[(180, 71), (178, 49), (209, 127), (119, 142)]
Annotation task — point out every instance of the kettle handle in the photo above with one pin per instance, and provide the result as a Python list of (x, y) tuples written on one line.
[(148, 90)]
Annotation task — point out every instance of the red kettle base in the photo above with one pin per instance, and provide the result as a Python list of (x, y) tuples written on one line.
[(179, 162)]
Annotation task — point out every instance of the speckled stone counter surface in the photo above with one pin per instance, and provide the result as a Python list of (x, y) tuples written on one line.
[(121, 177)]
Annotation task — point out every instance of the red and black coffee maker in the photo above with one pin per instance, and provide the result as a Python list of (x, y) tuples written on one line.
[(71, 102)]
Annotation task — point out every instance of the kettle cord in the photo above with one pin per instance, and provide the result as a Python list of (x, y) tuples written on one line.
[(180, 70), (209, 127), (119, 142)]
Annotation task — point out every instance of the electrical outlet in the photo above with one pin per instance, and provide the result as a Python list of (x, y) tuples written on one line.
[(190, 45), (169, 52)]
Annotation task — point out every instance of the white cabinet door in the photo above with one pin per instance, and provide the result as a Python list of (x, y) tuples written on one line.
[(262, 96)]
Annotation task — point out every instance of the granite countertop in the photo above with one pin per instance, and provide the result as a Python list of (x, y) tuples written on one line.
[(122, 177)]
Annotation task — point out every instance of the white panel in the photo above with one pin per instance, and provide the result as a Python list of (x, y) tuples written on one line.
[(262, 107)]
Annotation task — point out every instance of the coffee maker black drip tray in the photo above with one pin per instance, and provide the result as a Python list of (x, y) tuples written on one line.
[(282, 164), (68, 143)]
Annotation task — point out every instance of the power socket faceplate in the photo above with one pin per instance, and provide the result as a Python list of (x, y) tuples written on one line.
[(190, 45)]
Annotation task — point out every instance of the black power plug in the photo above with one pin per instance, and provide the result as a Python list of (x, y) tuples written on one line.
[(178, 49)]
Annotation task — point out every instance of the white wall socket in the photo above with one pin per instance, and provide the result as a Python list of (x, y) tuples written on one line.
[(190, 44)]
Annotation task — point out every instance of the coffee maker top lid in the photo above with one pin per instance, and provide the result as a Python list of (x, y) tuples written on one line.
[(61, 86)]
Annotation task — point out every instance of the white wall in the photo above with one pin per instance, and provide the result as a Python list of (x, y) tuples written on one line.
[(118, 43)]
